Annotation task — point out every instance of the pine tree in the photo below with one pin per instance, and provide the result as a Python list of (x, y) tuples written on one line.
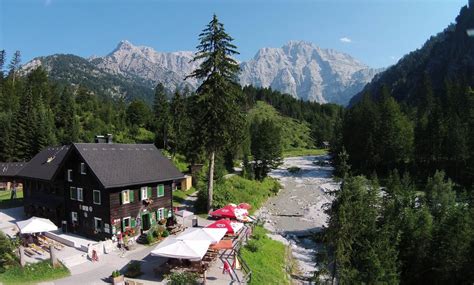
[(266, 147), (24, 126), (2, 62), (14, 65), (161, 112), (220, 117), (179, 122)]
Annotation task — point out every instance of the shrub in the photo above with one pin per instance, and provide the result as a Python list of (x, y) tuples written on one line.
[(150, 238), (183, 278), (115, 273), (8, 257), (165, 233), (134, 269), (252, 245)]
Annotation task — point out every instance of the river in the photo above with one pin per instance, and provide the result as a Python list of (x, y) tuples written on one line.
[(298, 209)]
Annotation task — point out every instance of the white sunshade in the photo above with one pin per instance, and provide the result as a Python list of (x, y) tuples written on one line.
[(236, 226), (36, 225), (182, 249), (208, 234), (184, 213)]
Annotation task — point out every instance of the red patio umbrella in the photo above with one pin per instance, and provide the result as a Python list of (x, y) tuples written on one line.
[(245, 206), (226, 212), (222, 224)]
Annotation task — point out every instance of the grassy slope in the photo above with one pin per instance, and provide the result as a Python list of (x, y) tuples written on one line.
[(239, 190), (32, 274), (295, 134), (268, 262)]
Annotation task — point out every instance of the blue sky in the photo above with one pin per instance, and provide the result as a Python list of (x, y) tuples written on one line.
[(377, 32)]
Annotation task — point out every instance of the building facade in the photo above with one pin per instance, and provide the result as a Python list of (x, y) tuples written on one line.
[(100, 190)]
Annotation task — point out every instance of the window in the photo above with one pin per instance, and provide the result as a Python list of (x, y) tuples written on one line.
[(74, 217), (161, 190), (97, 224), (69, 175), (96, 197), (160, 214), (80, 194), (126, 196), (83, 168), (73, 193), (126, 223), (144, 193)]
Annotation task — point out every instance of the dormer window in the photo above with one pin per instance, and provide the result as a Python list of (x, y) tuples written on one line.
[(83, 168), (69, 175)]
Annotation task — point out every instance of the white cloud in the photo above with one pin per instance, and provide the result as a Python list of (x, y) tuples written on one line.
[(345, 40)]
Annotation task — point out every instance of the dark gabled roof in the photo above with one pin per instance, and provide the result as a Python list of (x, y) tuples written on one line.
[(10, 169), (118, 165), (45, 164)]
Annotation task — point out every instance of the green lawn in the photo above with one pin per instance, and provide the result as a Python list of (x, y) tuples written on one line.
[(33, 273), (179, 196), (266, 258), (304, 152), (5, 201)]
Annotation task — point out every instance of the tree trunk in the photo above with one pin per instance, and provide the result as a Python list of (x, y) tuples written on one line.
[(210, 183)]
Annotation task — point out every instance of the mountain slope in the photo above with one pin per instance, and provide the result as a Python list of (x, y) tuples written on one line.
[(446, 56), (307, 72), (74, 70), (299, 68)]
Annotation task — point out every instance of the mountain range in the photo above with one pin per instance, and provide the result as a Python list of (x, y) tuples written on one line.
[(299, 68)]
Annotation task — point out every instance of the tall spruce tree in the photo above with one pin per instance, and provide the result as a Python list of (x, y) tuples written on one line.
[(24, 126), (220, 118), (161, 113), (14, 65), (266, 147)]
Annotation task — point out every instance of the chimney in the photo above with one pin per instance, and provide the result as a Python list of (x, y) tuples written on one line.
[(99, 139), (110, 138)]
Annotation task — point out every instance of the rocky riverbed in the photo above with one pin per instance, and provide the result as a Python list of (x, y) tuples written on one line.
[(298, 209)]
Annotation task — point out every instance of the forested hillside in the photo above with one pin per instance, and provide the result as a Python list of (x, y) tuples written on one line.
[(412, 132), (36, 112), (418, 116)]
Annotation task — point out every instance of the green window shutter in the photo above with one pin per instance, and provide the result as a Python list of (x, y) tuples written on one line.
[(120, 198), (140, 194), (165, 213), (149, 192), (161, 190), (123, 224), (131, 196), (132, 223)]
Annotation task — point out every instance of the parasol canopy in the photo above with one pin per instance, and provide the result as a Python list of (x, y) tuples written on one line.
[(245, 206), (232, 227), (181, 249), (36, 225), (213, 235)]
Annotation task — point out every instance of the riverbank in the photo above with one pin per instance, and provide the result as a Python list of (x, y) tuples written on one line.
[(298, 209)]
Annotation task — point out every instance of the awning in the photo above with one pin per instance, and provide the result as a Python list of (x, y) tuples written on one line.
[(209, 234), (182, 249), (231, 227), (36, 225)]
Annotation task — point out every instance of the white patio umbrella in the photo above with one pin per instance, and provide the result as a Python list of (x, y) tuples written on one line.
[(182, 249), (184, 214), (208, 234), (36, 225)]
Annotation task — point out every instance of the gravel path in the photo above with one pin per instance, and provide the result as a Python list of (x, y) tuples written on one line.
[(298, 209)]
